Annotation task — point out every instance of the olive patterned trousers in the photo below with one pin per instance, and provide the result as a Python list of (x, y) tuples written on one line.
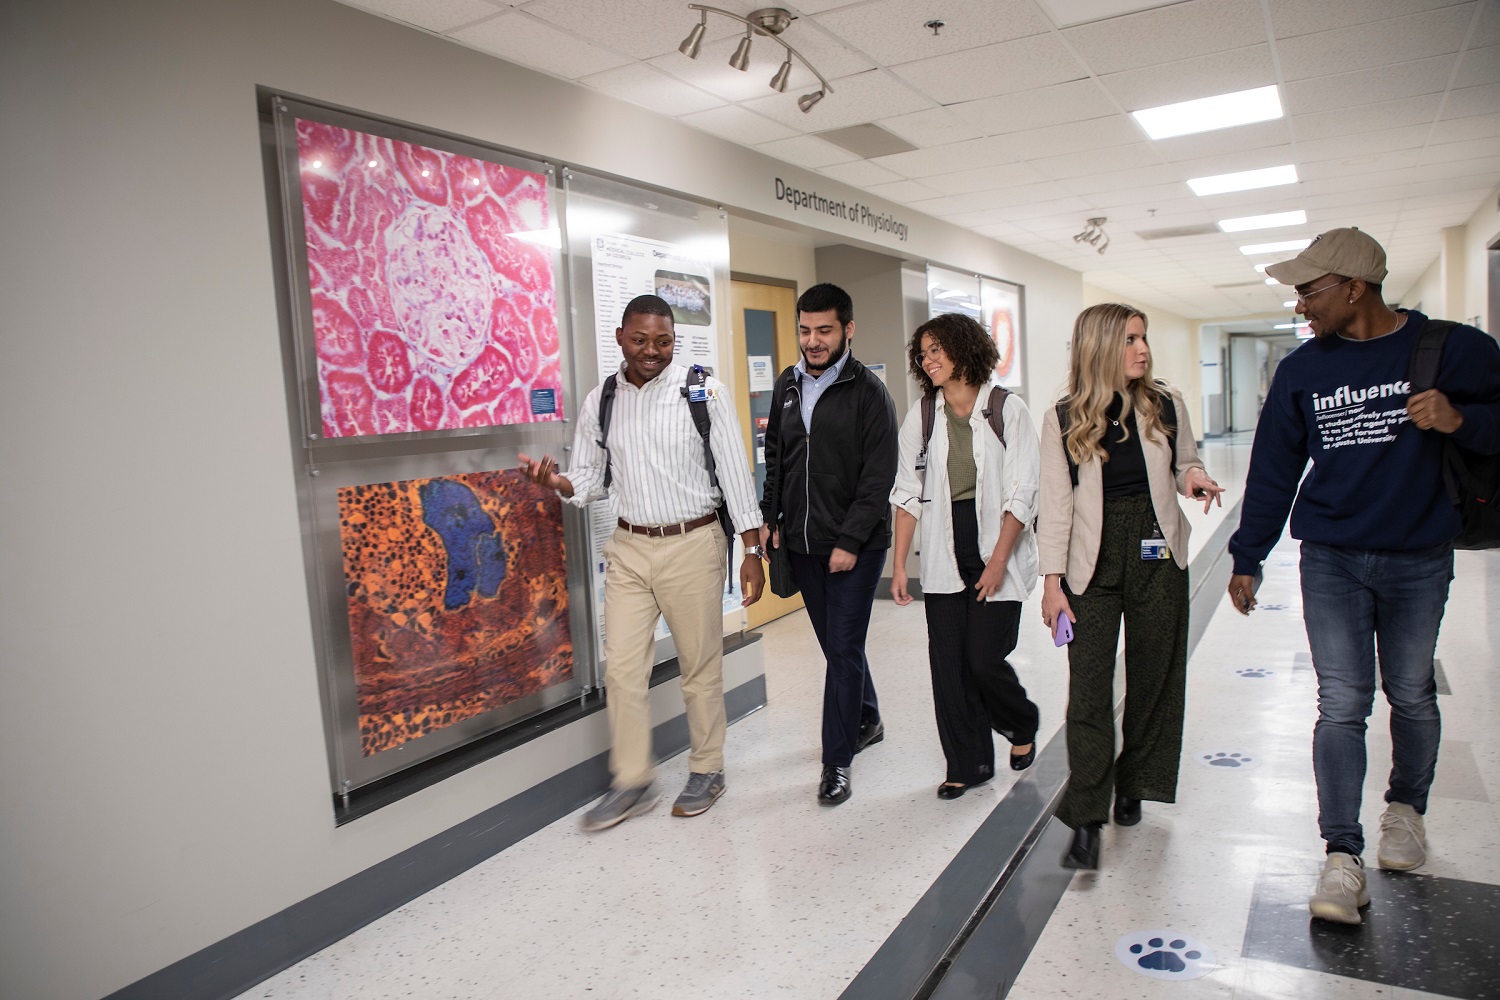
[(1152, 598)]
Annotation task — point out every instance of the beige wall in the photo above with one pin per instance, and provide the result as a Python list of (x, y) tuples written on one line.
[(1482, 229), (167, 781)]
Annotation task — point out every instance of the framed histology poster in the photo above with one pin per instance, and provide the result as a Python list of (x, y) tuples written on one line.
[(1002, 318), (431, 282), (457, 599)]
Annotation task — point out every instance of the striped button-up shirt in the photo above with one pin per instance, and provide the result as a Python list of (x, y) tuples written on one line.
[(659, 475)]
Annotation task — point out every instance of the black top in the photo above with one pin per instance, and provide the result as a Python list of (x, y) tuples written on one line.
[(830, 485), (1125, 462)]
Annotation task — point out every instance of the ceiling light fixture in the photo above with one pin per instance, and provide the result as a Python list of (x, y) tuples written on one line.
[(1244, 180), (768, 21), (1273, 221), (1093, 233), (1243, 107)]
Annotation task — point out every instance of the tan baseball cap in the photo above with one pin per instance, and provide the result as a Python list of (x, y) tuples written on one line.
[(1346, 252)]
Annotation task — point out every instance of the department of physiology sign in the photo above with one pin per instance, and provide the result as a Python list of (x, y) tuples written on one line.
[(855, 212)]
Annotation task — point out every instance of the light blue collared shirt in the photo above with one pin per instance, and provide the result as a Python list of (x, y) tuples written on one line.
[(810, 386)]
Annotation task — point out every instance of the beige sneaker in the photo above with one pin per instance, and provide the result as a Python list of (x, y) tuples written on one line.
[(1341, 890), (1403, 838)]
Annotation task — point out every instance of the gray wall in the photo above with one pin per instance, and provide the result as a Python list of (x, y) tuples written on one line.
[(166, 780), (873, 280)]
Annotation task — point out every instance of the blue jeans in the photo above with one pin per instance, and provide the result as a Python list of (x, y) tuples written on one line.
[(1356, 601)]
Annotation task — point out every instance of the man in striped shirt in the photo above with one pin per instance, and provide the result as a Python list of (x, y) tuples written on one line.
[(667, 556)]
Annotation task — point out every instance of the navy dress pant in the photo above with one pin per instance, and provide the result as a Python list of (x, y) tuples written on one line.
[(839, 606)]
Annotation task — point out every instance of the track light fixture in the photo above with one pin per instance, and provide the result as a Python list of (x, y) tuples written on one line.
[(768, 21), (1094, 235)]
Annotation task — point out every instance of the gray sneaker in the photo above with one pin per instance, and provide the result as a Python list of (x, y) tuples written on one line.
[(618, 806), (1341, 890), (1403, 838), (699, 793)]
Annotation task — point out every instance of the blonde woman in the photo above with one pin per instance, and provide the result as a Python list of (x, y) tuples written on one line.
[(1115, 452)]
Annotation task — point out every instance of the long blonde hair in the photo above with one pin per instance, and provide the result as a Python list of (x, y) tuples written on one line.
[(1096, 371)]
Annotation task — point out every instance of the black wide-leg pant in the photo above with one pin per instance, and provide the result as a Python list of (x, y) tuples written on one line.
[(974, 688), (1151, 595)]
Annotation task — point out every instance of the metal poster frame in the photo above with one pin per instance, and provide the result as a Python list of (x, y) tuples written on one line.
[(953, 290), (325, 465)]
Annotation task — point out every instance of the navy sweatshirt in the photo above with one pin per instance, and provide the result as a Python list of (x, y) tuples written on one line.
[(1376, 480)]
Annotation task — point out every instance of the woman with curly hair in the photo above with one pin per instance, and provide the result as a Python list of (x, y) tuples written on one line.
[(1115, 452), (975, 497)]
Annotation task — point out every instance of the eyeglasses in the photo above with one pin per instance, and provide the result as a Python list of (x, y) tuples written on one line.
[(1302, 297)]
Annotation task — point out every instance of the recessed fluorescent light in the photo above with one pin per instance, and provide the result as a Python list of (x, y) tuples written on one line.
[(1262, 267), (1272, 281), (1281, 247), (1244, 180), (1209, 113), (1273, 221)]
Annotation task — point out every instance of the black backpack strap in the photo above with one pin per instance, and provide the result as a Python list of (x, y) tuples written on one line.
[(929, 414), (995, 412), (1062, 430), (606, 410), (1169, 424), (1427, 356), (697, 378)]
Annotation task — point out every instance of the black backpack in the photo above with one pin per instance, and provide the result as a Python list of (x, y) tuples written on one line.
[(696, 379), (1169, 423), (1472, 480), (994, 413)]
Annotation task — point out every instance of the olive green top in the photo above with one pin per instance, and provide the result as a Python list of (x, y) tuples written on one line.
[(963, 476)]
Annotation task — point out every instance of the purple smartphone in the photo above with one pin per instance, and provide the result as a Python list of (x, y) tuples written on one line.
[(1062, 632)]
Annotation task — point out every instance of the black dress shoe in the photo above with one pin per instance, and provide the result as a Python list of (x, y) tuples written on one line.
[(1127, 811), (951, 790), (834, 786), (1021, 761), (870, 733), (1084, 852)]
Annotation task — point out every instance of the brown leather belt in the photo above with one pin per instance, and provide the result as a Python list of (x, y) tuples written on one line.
[(664, 530)]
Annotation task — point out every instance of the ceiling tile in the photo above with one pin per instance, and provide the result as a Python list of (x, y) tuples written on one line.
[(1190, 79), (1450, 151), (1369, 118), (1478, 67), (441, 16), (1164, 34), (1487, 31), (738, 125), (1360, 163), (1348, 50), (1244, 139), (1473, 101), (806, 151), (859, 173), (892, 32), (1370, 86), (711, 71), (1406, 137), (986, 178), (1004, 68), (518, 38), (902, 192), (1142, 198), (1305, 17), (1104, 179), (1135, 154), (855, 100), (1075, 137), (1461, 129), (1076, 101), (941, 208), (653, 27), (930, 127), (644, 84), (969, 155)]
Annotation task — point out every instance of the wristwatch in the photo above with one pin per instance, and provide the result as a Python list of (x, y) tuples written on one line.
[(758, 551)]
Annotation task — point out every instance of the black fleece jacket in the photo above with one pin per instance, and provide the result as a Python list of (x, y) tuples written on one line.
[(829, 486)]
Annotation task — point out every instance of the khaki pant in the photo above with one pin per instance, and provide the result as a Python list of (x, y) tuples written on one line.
[(682, 578)]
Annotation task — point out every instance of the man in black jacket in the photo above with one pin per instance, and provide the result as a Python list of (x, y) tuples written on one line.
[(830, 463)]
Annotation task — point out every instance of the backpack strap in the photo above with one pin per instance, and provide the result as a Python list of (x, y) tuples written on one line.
[(929, 414), (606, 410), (1168, 421), (1062, 430), (695, 391), (1427, 355), (995, 412)]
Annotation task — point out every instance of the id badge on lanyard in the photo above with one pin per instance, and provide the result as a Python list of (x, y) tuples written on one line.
[(1154, 545)]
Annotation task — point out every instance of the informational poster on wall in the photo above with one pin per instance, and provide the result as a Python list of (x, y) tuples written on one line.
[(627, 266), (624, 267), (1002, 317)]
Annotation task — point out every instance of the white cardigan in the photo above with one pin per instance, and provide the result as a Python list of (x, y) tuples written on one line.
[(1009, 478)]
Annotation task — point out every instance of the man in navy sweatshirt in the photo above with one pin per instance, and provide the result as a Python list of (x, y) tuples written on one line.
[(1377, 533)]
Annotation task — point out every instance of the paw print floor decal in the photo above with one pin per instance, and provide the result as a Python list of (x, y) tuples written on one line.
[(1228, 760), (1255, 673), (1164, 954)]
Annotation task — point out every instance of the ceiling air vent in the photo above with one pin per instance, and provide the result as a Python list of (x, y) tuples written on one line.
[(867, 141), (1174, 232)]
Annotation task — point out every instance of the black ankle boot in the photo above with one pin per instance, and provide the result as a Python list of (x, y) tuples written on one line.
[(1084, 852), (1127, 811)]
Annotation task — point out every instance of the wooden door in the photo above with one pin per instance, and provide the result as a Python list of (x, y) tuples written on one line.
[(765, 333)]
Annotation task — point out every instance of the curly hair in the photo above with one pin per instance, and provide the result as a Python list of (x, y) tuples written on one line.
[(969, 348)]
